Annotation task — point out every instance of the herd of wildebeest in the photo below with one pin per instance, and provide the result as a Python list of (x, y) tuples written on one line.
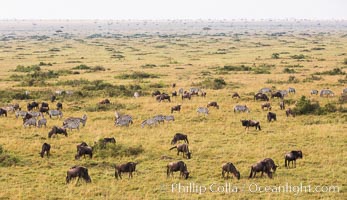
[(268, 166)]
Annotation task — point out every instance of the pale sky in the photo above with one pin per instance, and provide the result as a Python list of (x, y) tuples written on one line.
[(173, 9)]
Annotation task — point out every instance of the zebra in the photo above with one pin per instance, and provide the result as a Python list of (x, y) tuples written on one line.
[(136, 95), (284, 92), (241, 108), (314, 92), (265, 90), (11, 108), (55, 113), (34, 114), (326, 92), (42, 121), (180, 91), (82, 120), (20, 113), (123, 122), (159, 118), (202, 110), (73, 124), (149, 122), (169, 118), (291, 90), (30, 122)]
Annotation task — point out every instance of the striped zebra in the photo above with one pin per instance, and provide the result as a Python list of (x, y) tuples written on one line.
[(30, 122), (34, 114), (124, 121), (291, 90), (169, 118), (52, 113), (72, 124), (241, 108), (159, 118), (202, 110), (180, 91), (82, 120), (283, 92), (149, 122), (314, 92), (41, 122), (20, 113), (326, 92), (265, 90), (194, 90)]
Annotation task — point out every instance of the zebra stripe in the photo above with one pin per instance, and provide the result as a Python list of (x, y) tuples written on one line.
[(149, 122), (30, 122), (55, 113), (169, 118), (41, 122), (241, 108), (72, 125), (202, 110)]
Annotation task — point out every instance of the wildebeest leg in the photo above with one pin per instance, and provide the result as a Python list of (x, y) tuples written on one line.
[(295, 163), (223, 173), (250, 176), (120, 174)]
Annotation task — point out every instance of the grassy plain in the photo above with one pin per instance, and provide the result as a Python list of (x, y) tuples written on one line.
[(185, 53)]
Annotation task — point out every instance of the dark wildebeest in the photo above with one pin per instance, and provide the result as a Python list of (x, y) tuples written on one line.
[(129, 167), (277, 94), (203, 94), (105, 101), (194, 92), (163, 97), (266, 105), (230, 168), (56, 130), (176, 108), (59, 106), (235, 95), (261, 96), (289, 111), (291, 157), (83, 144), (174, 94), (184, 149), (53, 98), (27, 116), (108, 140), (3, 112), (179, 136), (271, 116), (173, 85), (156, 93), (79, 172), (32, 105), (44, 110), (177, 166), (270, 164), (186, 95), (282, 105), (248, 123), (260, 167), (213, 104), (45, 148), (83, 150)]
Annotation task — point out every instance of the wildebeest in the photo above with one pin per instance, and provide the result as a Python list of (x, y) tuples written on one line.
[(59, 106), (291, 90), (289, 111), (53, 98), (44, 105), (11, 107), (184, 149), (45, 149), (177, 166), (174, 94), (261, 96), (32, 105), (265, 90), (56, 130), (270, 164), (266, 105), (179, 136), (173, 85), (203, 94), (129, 167), (291, 157), (314, 92), (202, 110), (241, 108), (282, 105), (79, 172), (104, 101), (260, 167), (43, 109), (108, 140), (27, 116), (53, 113), (277, 94), (30, 122), (194, 91), (156, 93), (163, 97), (213, 104), (230, 168), (83, 151), (186, 96), (248, 123), (326, 92), (149, 122), (271, 116), (3, 112), (176, 108), (83, 144), (235, 95)]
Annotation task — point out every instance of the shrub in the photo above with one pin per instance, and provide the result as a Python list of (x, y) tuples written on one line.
[(6, 159), (137, 75), (104, 107), (289, 70), (298, 57), (81, 67), (117, 150), (21, 68), (217, 83), (235, 68), (335, 71), (275, 56), (304, 107), (345, 61)]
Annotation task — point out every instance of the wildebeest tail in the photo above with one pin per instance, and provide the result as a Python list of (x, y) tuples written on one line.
[(175, 147), (259, 127), (187, 140), (250, 175)]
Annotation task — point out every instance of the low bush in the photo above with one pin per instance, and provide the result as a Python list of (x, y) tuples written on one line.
[(117, 150), (137, 75), (335, 71)]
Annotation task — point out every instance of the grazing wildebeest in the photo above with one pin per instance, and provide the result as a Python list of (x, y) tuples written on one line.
[(265, 90), (235, 95), (277, 94), (291, 90), (149, 122), (53, 113), (45, 148), (129, 167), (3, 112), (56, 130), (163, 97), (184, 149), (79, 172), (291, 157), (174, 94), (156, 93), (83, 144), (32, 105), (241, 108), (44, 105), (83, 150), (44, 110), (27, 116), (186, 96), (169, 118), (179, 136), (282, 105), (59, 106), (108, 140), (53, 98), (261, 96), (248, 123), (271, 116), (266, 105), (270, 164), (289, 111), (326, 92), (173, 85), (260, 167), (314, 92), (177, 166), (202, 110), (230, 168), (30, 122), (176, 108), (105, 101), (203, 94), (213, 104)]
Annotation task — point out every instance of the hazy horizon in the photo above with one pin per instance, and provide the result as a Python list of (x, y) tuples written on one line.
[(173, 10)]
